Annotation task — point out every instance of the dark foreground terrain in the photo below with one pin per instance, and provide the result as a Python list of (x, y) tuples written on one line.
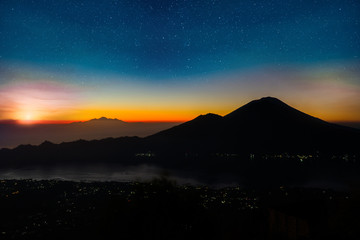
[(160, 209)]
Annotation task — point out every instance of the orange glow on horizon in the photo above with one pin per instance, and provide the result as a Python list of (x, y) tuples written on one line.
[(176, 119), (135, 115), (326, 112), (32, 122), (326, 91)]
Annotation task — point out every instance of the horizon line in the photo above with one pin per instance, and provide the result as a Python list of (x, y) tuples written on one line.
[(34, 122), (38, 122)]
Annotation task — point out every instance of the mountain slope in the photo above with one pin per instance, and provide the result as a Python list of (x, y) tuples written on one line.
[(198, 128), (266, 124), (262, 143), (13, 135)]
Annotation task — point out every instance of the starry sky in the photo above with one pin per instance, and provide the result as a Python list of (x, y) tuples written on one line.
[(171, 60)]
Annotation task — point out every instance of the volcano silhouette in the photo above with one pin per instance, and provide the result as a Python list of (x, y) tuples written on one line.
[(266, 124), (262, 126)]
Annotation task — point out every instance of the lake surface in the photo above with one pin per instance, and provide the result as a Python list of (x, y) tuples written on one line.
[(100, 173), (95, 173)]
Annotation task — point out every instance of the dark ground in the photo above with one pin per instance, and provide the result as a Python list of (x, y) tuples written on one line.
[(160, 209)]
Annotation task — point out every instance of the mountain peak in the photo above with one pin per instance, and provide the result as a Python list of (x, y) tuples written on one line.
[(265, 105), (267, 100), (208, 116), (104, 119), (46, 143)]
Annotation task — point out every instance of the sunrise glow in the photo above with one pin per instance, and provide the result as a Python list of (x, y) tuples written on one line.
[(172, 72)]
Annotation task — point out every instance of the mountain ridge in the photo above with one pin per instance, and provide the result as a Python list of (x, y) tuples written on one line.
[(265, 123), (246, 144), (253, 127)]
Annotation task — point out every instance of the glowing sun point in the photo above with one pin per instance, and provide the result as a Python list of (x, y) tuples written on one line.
[(28, 117)]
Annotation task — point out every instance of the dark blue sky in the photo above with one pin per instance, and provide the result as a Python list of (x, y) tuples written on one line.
[(174, 60), (170, 39)]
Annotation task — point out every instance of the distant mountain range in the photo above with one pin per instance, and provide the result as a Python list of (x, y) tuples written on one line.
[(265, 138), (263, 125), (13, 135)]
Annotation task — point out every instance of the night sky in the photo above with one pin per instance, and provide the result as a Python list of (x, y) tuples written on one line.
[(140, 60)]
